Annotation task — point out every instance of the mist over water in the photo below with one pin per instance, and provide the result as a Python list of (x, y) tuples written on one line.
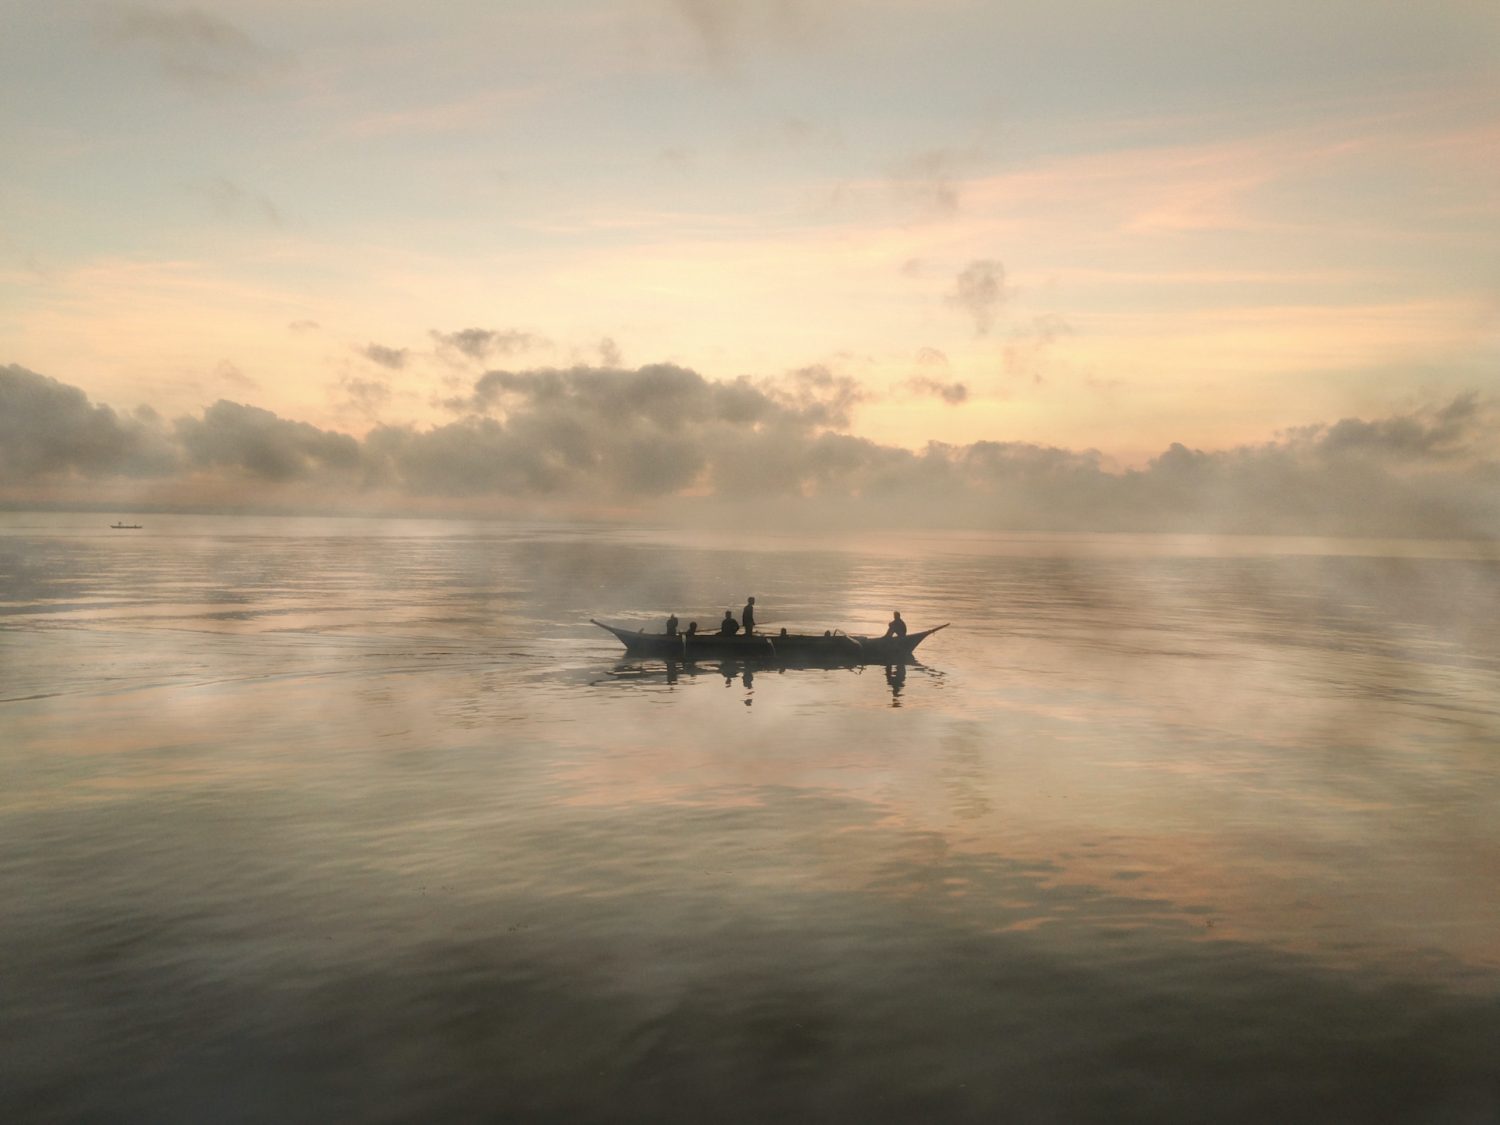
[(362, 820)]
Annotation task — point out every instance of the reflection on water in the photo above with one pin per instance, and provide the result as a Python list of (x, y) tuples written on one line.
[(671, 673), (364, 821)]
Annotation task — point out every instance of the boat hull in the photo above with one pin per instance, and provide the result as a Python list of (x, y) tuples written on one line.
[(839, 648)]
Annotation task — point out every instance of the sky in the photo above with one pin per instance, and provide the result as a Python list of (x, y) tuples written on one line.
[(1080, 262)]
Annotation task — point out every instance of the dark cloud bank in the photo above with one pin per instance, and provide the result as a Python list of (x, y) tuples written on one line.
[(662, 441)]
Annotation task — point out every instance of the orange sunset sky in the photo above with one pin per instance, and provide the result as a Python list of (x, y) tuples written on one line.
[(1079, 225)]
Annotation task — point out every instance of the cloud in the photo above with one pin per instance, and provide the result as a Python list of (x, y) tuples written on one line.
[(365, 396), (394, 358), (667, 397), (932, 365), (192, 46), (952, 393), (232, 202), (231, 374), (724, 28), (49, 429), (1026, 348), (715, 22), (1428, 471), (575, 430), (979, 291), (620, 433), (254, 443), (1426, 435), (773, 449), (928, 180), (677, 156), (482, 343), (820, 396)]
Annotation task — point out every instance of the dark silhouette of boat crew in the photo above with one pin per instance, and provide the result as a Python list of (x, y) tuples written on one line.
[(672, 625), (747, 617), (896, 645)]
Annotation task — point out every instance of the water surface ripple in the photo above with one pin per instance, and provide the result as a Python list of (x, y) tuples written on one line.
[(362, 820)]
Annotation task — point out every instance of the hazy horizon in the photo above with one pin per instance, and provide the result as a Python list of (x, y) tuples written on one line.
[(666, 444)]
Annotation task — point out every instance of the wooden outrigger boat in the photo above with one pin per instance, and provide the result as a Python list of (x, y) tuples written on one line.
[(838, 648)]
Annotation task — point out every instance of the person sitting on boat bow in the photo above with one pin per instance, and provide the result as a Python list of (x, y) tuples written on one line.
[(897, 627), (729, 626)]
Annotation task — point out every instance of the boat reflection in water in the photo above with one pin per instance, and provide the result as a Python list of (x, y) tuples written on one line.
[(741, 656), (749, 671), (895, 676)]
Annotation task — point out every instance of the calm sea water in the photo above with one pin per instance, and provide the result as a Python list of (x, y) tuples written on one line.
[(362, 821)]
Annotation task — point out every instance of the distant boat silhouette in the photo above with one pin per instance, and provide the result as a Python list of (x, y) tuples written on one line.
[(835, 647), (118, 526)]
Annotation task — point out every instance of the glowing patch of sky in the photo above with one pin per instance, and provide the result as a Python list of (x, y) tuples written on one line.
[(1206, 219)]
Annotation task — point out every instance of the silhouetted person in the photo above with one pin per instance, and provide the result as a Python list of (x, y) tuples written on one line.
[(672, 625), (897, 627), (729, 626), (692, 629), (747, 616), (783, 630)]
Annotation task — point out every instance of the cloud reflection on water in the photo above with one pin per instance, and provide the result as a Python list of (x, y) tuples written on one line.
[(1158, 832)]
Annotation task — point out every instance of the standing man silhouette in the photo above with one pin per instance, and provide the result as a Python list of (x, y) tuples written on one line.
[(747, 618)]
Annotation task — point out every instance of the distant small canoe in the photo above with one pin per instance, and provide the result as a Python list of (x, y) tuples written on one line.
[(117, 526), (834, 648)]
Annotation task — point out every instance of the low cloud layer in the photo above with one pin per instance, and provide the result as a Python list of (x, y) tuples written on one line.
[(664, 440)]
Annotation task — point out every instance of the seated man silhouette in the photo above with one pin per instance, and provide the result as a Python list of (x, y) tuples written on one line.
[(729, 626), (897, 627)]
